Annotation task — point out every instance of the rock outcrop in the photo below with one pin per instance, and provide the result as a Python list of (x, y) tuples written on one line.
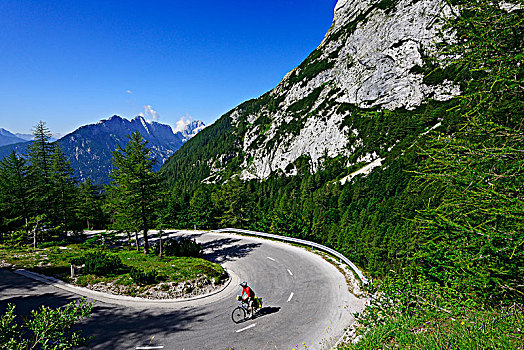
[(373, 57)]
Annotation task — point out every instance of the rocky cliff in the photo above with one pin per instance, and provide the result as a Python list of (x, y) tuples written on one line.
[(375, 57)]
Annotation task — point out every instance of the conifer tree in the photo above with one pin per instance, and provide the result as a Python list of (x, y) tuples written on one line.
[(63, 188), (15, 191), (135, 185), (39, 159), (89, 207), (235, 203), (201, 208), (478, 169)]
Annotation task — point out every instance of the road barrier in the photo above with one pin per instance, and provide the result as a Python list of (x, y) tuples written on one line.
[(303, 242)]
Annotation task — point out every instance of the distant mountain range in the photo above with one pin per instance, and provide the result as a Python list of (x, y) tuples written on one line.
[(90, 147), (8, 138)]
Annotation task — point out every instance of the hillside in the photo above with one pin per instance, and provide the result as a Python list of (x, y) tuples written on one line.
[(8, 138), (373, 59), (399, 142)]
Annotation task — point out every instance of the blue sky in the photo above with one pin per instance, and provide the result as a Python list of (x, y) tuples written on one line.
[(71, 63)]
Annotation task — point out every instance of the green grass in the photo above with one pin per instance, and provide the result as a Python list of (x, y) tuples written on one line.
[(55, 261), (475, 329)]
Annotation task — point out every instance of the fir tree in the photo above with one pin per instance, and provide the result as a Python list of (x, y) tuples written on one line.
[(15, 192), (39, 157), (135, 186), (63, 189)]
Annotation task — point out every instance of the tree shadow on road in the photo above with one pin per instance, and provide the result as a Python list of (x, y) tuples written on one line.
[(109, 325), (219, 243), (222, 251)]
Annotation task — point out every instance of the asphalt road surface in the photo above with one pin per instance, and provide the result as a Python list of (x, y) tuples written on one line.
[(306, 303)]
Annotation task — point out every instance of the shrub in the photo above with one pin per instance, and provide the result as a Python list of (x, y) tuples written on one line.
[(100, 263), (53, 244), (46, 328), (140, 276), (182, 247), (78, 261)]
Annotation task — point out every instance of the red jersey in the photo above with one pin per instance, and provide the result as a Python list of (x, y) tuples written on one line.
[(249, 292)]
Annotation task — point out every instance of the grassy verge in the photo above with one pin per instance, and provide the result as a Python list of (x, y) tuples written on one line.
[(55, 260), (475, 329)]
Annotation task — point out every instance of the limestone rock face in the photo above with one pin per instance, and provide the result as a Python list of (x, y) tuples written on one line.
[(372, 59), (366, 60)]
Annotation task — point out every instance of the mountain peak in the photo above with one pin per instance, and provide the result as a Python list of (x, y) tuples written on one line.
[(8, 138), (141, 118), (89, 148), (192, 128), (371, 59)]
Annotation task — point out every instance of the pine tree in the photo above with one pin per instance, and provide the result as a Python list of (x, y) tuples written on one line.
[(15, 192), (39, 158), (63, 189), (201, 208), (235, 203), (89, 207), (135, 186)]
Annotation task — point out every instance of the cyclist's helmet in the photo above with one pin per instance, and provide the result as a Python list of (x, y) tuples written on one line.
[(243, 284)]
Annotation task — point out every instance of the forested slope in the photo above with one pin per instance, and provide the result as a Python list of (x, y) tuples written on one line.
[(441, 222)]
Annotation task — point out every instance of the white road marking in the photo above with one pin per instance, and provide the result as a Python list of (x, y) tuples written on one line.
[(149, 347), (290, 297), (243, 329), (291, 273), (270, 258)]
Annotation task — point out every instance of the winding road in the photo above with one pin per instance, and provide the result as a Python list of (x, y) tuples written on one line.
[(306, 303)]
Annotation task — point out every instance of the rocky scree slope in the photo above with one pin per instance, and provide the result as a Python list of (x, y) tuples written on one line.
[(374, 59)]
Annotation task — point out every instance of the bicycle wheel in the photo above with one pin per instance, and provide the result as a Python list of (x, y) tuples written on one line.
[(238, 315)]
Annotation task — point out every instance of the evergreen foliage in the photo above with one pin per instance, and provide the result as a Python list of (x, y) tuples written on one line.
[(440, 225), (63, 189), (446, 210), (39, 156), (14, 201), (39, 193), (90, 203), (100, 263), (140, 276), (135, 190), (182, 247)]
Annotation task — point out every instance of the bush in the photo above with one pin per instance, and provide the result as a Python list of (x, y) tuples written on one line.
[(212, 273), (140, 276), (99, 263), (53, 244), (182, 247), (47, 328)]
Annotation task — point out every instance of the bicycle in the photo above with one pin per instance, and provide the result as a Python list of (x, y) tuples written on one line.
[(241, 312)]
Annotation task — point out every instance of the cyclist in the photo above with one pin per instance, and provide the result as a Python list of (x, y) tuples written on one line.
[(250, 295)]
